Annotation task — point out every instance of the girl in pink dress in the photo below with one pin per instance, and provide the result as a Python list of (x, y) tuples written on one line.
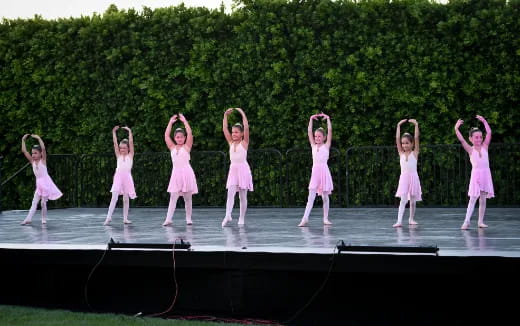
[(321, 179), (481, 183), (409, 188), (182, 180), (45, 187), (123, 182), (239, 177)]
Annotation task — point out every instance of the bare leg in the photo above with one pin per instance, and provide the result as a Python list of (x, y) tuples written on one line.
[(469, 212), (111, 207), (482, 209), (326, 205), (188, 205), (308, 208), (400, 213), (242, 194), (411, 219), (32, 210), (44, 209), (229, 204), (126, 207), (171, 208)]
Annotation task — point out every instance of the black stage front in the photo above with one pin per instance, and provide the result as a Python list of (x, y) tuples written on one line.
[(269, 269)]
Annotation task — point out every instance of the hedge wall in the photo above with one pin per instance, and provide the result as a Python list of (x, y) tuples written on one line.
[(366, 63)]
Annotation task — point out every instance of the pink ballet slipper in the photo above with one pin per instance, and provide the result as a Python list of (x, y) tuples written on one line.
[(25, 222), (241, 221), (303, 222), (412, 222), (44, 221), (189, 221), (226, 220), (107, 221), (482, 225), (327, 222), (397, 225), (465, 226), (167, 222), (127, 222)]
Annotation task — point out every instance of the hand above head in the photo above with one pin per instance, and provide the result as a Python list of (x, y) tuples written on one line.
[(126, 128), (228, 111), (173, 118), (459, 123), (402, 121), (25, 136), (324, 116), (35, 136), (480, 118), (412, 121), (115, 128), (239, 110), (182, 118)]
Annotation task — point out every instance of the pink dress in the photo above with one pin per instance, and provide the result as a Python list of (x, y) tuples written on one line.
[(239, 171), (183, 177), (45, 187), (321, 179), (480, 174), (409, 184), (123, 183)]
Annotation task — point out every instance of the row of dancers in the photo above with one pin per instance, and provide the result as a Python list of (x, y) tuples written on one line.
[(183, 182)]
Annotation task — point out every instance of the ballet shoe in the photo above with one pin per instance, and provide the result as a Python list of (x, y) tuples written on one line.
[(226, 220), (241, 222), (25, 222), (44, 221), (464, 226), (166, 223), (397, 225), (327, 222), (303, 222), (189, 221), (412, 222), (127, 222), (107, 221), (482, 225)]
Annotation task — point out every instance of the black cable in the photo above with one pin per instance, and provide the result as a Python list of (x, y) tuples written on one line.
[(317, 291), (90, 275)]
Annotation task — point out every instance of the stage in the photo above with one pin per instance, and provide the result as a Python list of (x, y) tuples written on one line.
[(269, 230), (269, 269)]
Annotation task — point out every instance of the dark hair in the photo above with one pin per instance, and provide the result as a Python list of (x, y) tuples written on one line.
[(182, 131), (124, 142), (408, 136), (474, 130), (239, 126), (37, 147)]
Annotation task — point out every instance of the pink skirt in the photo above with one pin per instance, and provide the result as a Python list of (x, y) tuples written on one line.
[(409, 185), (123, 184), (45, 187), (321, 179), (240, 175), (481, 181), (183, 180)]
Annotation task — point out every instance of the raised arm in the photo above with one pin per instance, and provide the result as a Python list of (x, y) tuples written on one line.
[(167, 133), (24, 148), (309, 129), (131, 150), (398, 136), (416, 136), (114, 140), (225, 128), (487, 140), (189, 134), (461, 138), (42, 146), (329, 130), (245, 123)]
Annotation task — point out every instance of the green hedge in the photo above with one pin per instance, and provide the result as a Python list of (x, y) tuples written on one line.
[(367, 64)]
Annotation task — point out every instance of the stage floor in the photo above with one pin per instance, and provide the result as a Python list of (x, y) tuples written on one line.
[(269, 230)]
